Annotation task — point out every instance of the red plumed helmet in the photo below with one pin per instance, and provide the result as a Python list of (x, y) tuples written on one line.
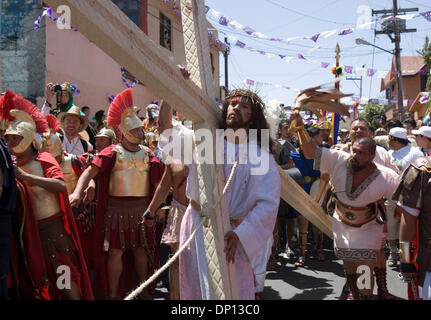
[(13, 101), (123, 114), (122, 102)]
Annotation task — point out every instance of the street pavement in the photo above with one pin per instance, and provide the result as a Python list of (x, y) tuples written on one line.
[(317, 280)]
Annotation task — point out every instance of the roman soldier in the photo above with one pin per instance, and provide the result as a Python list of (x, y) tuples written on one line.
[(48, 236), (126, 251), (72, 166), (413, 195)]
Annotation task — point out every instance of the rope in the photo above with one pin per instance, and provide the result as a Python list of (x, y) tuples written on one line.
[(141, 287)]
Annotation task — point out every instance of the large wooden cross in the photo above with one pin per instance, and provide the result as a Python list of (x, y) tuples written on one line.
[(102, 22)]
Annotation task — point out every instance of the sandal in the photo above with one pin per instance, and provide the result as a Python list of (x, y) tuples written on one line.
[(300, 262)]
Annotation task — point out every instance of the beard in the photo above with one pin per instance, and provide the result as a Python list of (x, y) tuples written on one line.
[(356, 167), (237, 122)]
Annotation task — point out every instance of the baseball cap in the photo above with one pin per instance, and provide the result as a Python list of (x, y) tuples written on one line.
[(424, 131), (399, 133)]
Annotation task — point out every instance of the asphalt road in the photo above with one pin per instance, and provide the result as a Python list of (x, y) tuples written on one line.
[(317, 280)]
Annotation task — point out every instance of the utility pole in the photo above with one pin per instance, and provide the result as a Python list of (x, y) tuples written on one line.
[(396, 26), (226, 55), (360, 81)]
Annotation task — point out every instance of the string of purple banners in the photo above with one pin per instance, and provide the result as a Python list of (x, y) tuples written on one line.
[(126, 83), (233, 24)]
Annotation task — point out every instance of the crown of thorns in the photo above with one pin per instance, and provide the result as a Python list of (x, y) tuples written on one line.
[(254, 98)]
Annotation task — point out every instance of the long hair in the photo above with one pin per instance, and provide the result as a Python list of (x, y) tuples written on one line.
[(257, 120)]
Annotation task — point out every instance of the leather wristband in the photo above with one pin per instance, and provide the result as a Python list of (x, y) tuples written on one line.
[(147, 215), (408, 267)]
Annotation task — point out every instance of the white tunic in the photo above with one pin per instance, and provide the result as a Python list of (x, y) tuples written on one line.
[(356, 243), (253, 198)]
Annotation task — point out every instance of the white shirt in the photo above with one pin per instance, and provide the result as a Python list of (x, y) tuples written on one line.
[(403, 157), (75, 146)]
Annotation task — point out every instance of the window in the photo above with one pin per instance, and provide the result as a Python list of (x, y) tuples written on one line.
[(131, 8), (165, 32)]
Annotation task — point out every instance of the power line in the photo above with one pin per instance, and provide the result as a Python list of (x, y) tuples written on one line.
[(291, 22), (303, 14)]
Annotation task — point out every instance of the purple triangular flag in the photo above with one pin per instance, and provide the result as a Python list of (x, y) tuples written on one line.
[(325, 65), (315, 37), (250, 82), (426, 15), (240, 44), (345, 31), (281, 56), (348, 69), (248, 30), (223, 21), (371, 72), (300, 56)]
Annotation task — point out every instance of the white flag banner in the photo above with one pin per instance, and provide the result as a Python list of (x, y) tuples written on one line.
[(328, 34), (313, 50), (382, 73), (291, 39), (360, 71), (214, 14)]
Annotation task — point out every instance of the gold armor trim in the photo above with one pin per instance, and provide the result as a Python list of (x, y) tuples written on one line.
[(70, 177), (130, 176), (44, 203), (51, 143)]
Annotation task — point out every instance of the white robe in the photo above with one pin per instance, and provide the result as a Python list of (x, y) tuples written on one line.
[(253, 198), (356, 243)]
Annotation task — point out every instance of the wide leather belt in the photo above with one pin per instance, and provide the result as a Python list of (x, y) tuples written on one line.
[(356, 216)]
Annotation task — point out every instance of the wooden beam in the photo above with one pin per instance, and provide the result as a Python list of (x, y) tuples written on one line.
[(102, 22)]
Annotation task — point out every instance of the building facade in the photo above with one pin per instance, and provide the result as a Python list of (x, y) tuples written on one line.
[(50, 54), (414, 76)]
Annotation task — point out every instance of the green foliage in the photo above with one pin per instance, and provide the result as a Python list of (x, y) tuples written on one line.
[(426, 51), (372, 112)]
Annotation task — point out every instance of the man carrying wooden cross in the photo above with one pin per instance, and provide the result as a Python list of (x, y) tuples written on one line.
[(253, 198)]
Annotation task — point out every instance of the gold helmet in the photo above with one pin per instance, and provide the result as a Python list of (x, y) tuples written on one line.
[(122, 113), (51, 142), (25, 120), (107, 133)]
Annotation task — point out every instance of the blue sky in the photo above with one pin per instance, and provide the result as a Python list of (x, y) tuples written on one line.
[(290, 18)]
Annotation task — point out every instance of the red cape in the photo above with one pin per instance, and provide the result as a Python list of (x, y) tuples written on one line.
[(31, 243), (129, 278)]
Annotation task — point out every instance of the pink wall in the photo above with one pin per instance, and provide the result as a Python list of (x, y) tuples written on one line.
[(72, 57)]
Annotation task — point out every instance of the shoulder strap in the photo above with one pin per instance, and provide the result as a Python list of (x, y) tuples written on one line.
[(84, 145)]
